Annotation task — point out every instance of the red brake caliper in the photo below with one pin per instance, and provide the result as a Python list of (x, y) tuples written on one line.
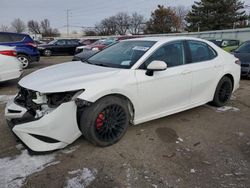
[(100, 120)]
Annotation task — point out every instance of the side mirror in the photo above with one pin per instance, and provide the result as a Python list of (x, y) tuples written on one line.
[(155, 66)]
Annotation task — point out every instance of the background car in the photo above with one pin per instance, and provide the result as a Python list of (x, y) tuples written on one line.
[(25, 47), (84, 55), (96, 46), (226, 44), (85, 42), (10, 66), (103, 43), (39, 42), (243, 53), (59, 46)]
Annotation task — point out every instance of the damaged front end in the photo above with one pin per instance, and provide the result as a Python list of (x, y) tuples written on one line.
[(44, 122)]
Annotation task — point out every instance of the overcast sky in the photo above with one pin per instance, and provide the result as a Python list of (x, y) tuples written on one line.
[(82, 12)]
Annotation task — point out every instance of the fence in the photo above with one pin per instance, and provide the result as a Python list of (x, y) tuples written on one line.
[(238, 34)]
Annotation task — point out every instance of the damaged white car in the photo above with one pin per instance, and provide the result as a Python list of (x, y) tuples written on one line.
[(131, 82)]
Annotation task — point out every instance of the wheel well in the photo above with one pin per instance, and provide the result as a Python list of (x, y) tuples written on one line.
[(130, 104), (21, 53), (230, 77), (130, 107)]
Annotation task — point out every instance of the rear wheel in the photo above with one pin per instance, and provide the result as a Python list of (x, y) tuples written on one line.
[(223, 92), (24, 60), (105, 122)]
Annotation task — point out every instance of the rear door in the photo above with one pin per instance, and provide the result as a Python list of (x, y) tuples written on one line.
[(71, 46), (205, 68)]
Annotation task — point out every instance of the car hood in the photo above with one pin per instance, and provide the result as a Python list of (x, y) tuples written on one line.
[(69, 76)]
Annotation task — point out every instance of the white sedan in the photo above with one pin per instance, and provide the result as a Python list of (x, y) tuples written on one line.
[(10, 66), (131, 82)]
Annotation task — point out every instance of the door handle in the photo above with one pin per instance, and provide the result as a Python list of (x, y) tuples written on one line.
[(186, 72)]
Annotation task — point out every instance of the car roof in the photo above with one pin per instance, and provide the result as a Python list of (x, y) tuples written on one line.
[(14, 33), (165, 39)]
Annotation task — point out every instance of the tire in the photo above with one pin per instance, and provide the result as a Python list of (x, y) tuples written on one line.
[(24, 60), (47, 53), (105, 122), (223, 92)]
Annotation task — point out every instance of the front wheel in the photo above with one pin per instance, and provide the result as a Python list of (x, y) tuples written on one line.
[(223, 92), (24, 60), (47, 53), (105, 122)]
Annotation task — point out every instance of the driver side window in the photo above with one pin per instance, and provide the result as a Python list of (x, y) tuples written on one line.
[(172, 54)]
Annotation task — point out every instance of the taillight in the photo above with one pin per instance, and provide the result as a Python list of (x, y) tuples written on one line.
[(238, 62), (31, 44), (9, 53)]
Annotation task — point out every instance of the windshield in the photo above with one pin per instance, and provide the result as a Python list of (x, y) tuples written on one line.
[(122, 55), (52, 42), (244, 48)]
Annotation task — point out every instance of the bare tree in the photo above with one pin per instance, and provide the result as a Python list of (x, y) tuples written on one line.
[(4, 28), (136, 23), (181, 12), (34, 27), (45, 27), (110, 24), (47, 30), (122, 22), (107, 26), (18, 25), (90, 32)]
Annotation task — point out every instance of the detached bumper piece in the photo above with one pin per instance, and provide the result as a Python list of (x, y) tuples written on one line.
[(53, 130)]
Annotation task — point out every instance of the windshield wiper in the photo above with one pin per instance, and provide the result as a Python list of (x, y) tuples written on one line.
[(100, 64), (85, 61)]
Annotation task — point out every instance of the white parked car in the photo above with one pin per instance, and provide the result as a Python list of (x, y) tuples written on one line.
[(10, 66), (131, 82)]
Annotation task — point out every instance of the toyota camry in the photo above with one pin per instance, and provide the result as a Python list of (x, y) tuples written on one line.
[(131, 82)]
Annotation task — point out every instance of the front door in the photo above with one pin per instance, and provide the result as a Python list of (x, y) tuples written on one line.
[(166, 91)]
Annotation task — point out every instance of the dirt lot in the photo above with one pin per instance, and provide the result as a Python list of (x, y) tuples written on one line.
[(202, 147)]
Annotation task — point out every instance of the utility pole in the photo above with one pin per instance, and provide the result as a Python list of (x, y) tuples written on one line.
[(67, 22)]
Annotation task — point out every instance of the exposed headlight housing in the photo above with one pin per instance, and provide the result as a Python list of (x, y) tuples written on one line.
[(55, 99)]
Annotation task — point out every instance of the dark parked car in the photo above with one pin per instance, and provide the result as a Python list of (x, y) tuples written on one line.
[(25, 47), (59, 46), (84, 55), (243, 53)]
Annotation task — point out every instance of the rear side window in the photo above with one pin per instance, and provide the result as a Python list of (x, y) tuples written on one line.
[(72, 42), (16, 38), (5, 37), (201, 51)]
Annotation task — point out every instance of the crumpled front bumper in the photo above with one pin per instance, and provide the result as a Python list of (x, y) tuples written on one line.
[(54, 130)]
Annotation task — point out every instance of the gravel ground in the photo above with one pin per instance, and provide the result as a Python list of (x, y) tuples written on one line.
[(201, 147)]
